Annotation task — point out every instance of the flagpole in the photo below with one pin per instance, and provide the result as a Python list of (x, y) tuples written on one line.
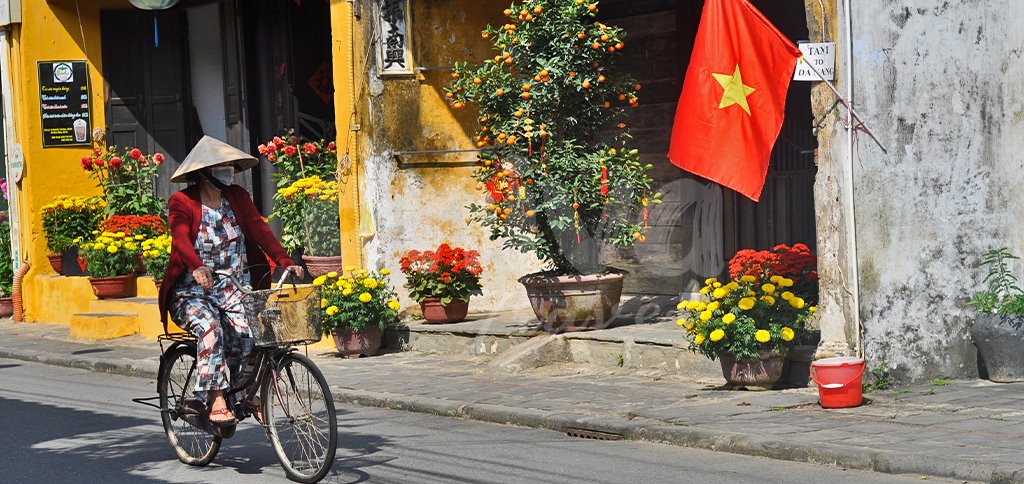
[(847, 104)]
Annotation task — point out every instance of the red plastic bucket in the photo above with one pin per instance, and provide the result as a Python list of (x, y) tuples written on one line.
[(839, 381)]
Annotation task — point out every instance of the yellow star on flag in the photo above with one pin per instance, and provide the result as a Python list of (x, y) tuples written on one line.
[(735, 91)]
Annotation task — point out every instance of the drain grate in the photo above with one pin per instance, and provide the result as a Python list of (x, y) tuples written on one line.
[(591, 434)]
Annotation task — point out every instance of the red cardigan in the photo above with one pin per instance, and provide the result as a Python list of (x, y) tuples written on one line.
[(186, 212)]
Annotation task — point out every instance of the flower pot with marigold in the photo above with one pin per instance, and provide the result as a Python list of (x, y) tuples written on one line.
[(557, 176), (356, 306), (442, 281), (111, 260), (67, 220)]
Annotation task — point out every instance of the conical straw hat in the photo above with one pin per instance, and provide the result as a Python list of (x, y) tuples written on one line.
[(209, 152)]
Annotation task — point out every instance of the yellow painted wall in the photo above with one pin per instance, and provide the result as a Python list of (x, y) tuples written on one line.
[(51, 30), (342, 24)]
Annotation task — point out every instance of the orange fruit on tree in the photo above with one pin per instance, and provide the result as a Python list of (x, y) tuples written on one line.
[(525, 95), (518, 113), (612, 151), (575, 205), (530, 213), (586, 84), (607, 104), (499, 92), (508, 60), (543, 72), (507, 211), (537, 78), (595, 45), (449, 95), (508, 11), (542, 134), (611, 49), (622, 97), (477, 80), (619, 45), (581, 35), (601, 78), (456, 75), (637, 87), (592, 7), (526, 87), (579, 2), (511, 140), (485, 35), (637, 235), (572, 73), (468, 220), (604, 37), (538, 9)]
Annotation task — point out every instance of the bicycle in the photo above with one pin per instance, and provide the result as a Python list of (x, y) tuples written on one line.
[(298, 411)]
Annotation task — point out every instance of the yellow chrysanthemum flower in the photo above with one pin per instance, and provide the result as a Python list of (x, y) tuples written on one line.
[(748, 278), (98, 246), (705, 316), (323, 303), (332, 275), (365, 297), (393, 305), (319, 281), (370, 283), (350, 268), (705, 290), (720, 293), (385, 272), (717, 285), (786, 296), (768, 288), (709, 281), (682, 305), (679, 322), (775, 279), (112, 249), (729, 318), (698, 340), (700, 306), (717, 335), (331, 311), (732, 286), (812, 309), (784, 282), (692, 305), (346, 292), (689, 324), (797, 302), (769, 300), (746, 303), (762, 336), (714, 305), (787, 333)]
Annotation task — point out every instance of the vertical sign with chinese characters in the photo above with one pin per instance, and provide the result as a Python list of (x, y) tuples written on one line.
[(64, 103), (393, 54)]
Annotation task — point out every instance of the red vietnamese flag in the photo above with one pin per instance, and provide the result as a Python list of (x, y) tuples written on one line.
[(734, 97)]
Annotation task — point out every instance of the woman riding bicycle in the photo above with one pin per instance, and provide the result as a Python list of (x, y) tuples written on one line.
[(216, 227)]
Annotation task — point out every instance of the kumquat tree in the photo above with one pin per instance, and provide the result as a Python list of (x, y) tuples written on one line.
[(552, 186)]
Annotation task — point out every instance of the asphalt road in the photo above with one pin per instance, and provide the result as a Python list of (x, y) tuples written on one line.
[(68, 425)]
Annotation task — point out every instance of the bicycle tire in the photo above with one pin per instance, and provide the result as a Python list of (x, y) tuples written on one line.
[(299, 416), (176, 383)]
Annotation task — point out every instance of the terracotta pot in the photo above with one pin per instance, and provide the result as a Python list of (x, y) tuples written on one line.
[(113, 287), (56, 262), (157, 283), (762, 372), (320, 265), (435, 313), (6, 307), (573, 303), (353, 344)]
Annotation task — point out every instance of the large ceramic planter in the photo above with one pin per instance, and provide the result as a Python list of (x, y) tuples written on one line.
[(353, 344), (572, 303), (436, 313), (113, 287), (56, 262), (1000, 342), (6, 307), (321, 265), (762, 372)]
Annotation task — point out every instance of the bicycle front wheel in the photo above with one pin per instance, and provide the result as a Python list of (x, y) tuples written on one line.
[(300, 418), (176, 385)]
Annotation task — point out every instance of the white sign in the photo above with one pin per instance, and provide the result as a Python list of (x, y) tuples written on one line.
[(820, 55), (16, 163), (394, 56)]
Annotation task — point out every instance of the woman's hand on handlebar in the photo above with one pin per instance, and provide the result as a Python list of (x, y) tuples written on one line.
[(297, 271), (204, 276)]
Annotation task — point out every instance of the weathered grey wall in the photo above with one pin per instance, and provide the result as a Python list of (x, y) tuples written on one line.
[(942, 84)]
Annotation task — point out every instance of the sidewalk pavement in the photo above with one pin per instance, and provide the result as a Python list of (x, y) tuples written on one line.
[(967, 430)]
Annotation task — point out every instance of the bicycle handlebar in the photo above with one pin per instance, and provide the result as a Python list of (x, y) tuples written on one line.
[(288, 271)]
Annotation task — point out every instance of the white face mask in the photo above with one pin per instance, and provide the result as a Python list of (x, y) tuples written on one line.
[(223, 174)]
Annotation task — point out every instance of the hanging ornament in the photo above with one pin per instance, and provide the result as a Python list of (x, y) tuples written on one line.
[(604, 181)]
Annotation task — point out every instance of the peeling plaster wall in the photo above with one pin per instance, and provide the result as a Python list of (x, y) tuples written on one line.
[(942, 84), (417, 201)]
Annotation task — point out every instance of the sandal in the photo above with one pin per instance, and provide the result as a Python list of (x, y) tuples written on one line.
[(222, 412), (256, 409)]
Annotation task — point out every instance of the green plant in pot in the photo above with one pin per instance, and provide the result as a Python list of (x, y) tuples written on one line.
[(308, 210), (67, 219), (356, 307), (556, 173), (998, 329), (442, 281)]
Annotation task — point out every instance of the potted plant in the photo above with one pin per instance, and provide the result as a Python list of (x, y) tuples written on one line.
[(357, 306), (442, 281), (126, 177), (6, 268), (748, 323), (111, 260), (557, 176), (67, 219), (999, 326), (136, 227), (308, 209), (155, 254)]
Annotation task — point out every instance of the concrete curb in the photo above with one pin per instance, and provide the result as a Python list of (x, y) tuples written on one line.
[(850, 457)]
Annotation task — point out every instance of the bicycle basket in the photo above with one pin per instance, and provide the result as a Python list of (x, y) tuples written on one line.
[(283, 317)]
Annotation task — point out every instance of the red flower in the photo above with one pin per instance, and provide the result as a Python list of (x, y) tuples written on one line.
[(135, 153), (158, 158), (271, 149), (278, 142), (115, 163), (309, 148), (446, 277), (289, 150), (331, 147), (86, 163), (99, 162), (262, 149)]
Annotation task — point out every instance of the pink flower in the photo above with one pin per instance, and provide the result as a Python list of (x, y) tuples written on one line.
[(262, 149), (158, 158), (278, 142), (135, 153), (115, 163), (289, 150)]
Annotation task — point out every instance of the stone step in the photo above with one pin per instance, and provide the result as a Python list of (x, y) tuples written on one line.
[(102, 326)]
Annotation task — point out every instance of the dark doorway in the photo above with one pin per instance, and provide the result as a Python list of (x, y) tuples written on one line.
[(146, 71)]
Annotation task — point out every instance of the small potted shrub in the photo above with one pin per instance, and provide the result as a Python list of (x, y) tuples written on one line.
[(557, 176), (127, 178), (442, 281), (748, 323), (999, 326), (67, 219), (155, 254), (6, 268), (308, 209), (356, 307), (111, 260)]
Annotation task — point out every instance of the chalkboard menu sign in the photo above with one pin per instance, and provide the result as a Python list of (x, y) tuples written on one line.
[(64, 103)]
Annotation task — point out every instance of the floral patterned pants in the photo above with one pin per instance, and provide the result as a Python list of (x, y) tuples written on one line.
[(224, 341)]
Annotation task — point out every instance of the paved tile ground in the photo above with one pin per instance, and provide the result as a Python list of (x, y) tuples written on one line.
[(972, 430)]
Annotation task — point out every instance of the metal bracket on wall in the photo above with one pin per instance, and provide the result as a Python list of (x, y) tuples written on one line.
[(435, 68), (433, 152)]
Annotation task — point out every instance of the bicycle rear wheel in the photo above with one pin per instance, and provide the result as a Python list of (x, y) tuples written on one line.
[(176, 384), (300, 418)]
